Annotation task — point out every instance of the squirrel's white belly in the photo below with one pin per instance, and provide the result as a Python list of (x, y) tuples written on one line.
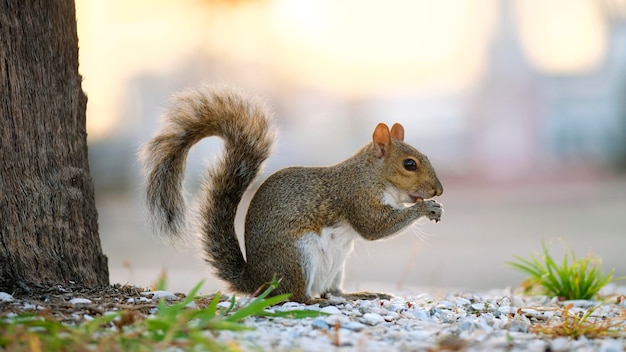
[(323, 257)]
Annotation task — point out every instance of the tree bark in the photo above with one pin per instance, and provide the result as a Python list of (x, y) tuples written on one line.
[(48, 218)]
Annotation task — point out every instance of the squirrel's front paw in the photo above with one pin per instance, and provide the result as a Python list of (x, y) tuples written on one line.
[(432, 210)]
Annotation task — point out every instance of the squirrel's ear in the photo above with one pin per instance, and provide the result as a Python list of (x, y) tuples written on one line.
[(381, 140), (397, 131)]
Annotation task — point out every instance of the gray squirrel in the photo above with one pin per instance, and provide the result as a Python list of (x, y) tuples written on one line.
[(302, 221)]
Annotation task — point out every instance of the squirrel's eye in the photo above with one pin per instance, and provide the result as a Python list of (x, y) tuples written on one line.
[(409, 165)]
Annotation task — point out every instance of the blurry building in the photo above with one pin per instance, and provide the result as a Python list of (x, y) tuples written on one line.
[(524, 122), (516, 123)]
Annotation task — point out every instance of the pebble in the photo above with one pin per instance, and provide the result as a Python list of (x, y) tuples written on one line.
[(78, 300), (507, 310), (5, 297), (337, 319), (478, 306), (372, 319), (330, 310), (353, 325), (320, 323), (612, 345), (560, 344), (160, 294), (138, 300), (224, 305), (419, 314), (519, 323)]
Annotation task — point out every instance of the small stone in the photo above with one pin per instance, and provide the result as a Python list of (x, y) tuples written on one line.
[(30, 306), (287, 322), (420, 335), (448, 317), (532, 313), (330, 310), (482, 324), (391, 316), (363, 304), (79, 300), (537, 345), (372, 318), (377, 310), (419, 314), (560, 344), (466, 324), (508, 310), (407, 315), (519, 323), (224, 305), (462, 302), (337, 318), (320, 323), (436, 312), (501, 322), (292, 305), (5, 297), (445, 305), (353, 325), (612, 346), (160, 294), (395, 307), (478, 307)]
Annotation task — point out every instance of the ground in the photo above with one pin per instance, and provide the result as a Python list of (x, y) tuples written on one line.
[(460, 320)]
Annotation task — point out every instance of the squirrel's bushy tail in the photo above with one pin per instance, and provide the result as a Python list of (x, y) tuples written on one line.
[(245, 126)]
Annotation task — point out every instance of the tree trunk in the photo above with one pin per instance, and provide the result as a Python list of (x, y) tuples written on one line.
[(48, 218)]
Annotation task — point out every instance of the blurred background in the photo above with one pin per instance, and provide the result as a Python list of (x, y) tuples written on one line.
[(520, 106)]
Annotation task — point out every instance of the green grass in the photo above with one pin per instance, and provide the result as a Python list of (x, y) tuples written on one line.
[(572, 278), (172, 326)]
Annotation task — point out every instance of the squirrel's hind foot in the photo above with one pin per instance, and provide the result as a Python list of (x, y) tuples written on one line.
[(353, 296)]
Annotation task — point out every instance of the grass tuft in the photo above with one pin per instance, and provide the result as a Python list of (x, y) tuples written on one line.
[(578, 325), (573, 278)]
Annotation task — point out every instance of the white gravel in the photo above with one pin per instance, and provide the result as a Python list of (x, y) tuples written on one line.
[(493, 321)]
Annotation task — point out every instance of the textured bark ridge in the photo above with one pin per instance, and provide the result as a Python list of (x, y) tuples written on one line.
[(48, 218)]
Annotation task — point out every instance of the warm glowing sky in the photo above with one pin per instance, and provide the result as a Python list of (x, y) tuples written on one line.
[(562, 35), (348, 47)]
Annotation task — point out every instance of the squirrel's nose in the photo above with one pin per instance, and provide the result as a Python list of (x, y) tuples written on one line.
[(438, 189)]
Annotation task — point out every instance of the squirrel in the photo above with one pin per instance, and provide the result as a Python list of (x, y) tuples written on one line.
[(302, 221)]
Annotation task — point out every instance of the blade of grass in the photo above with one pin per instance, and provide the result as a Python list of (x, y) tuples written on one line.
[(256, 307), (293, 314), (211, 308)]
